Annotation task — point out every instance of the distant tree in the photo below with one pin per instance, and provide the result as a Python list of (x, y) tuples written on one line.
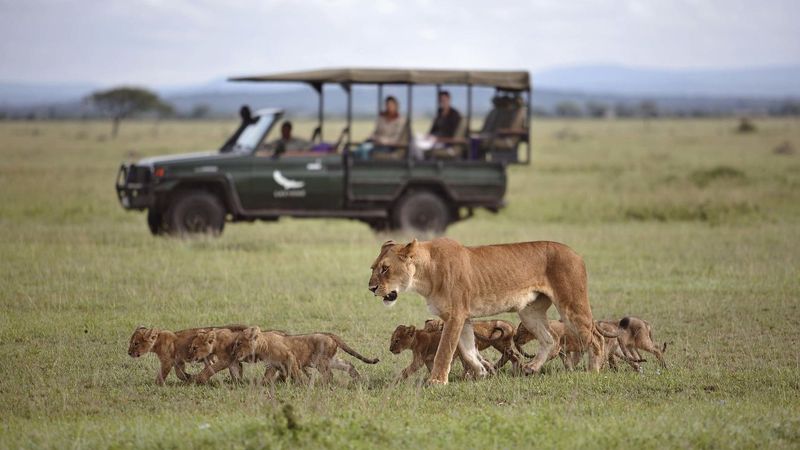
[(648, 109), (200, 111), (568, 109), (596, 109), (123, 102)]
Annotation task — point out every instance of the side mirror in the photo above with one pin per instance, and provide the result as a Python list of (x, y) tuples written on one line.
[(246, 114)]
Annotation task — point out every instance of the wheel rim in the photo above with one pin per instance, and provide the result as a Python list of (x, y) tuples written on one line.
[(424, 218), (196, 221)]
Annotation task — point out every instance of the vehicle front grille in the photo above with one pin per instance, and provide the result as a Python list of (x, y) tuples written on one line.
[(138, 175)]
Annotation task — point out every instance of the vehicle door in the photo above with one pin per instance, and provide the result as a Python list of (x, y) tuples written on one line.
[(307, 181)]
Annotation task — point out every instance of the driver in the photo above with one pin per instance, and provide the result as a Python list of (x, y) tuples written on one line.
[(287, 143)]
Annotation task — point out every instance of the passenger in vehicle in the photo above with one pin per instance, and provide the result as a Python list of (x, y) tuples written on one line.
[(390, 125), (287, 142), (389, 134), (446, 138), (447, 119)]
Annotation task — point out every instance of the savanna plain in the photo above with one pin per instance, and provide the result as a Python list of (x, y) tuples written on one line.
[(686, 223)]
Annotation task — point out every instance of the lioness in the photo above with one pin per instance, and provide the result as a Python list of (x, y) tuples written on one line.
[(171, 348), (461, 283), (293, 354), (498, 334), (567, 346)]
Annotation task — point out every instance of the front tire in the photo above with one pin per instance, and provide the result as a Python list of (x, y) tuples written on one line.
[(196, 212), (421, 212)]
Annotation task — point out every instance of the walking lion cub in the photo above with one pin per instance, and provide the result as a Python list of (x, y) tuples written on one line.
[(288, 357), (171, 348)]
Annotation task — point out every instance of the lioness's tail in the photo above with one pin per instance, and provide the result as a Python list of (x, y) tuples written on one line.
[(349, 350), (664, 350)]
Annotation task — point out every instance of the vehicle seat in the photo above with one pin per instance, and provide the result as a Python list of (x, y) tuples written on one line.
[(455, 150), (503, 129), (400, 150)]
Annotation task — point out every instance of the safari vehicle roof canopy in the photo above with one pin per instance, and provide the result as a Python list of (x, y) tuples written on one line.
[(501, 79)]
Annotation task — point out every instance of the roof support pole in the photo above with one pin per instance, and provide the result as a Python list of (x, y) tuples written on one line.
[(349, 91), (409, 118), (469, 122), (320, 112), (380, 97), (529, 108)]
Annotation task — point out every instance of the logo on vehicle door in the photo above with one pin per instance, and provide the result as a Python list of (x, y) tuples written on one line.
[(291, 188)]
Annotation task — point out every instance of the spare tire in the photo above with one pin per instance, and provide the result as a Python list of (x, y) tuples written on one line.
[(421, 212)]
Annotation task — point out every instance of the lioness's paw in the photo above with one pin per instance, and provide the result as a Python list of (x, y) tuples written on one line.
[(529, 370), (435, 382)]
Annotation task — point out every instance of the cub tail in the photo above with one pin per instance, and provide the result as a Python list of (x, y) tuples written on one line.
[(349, 350)]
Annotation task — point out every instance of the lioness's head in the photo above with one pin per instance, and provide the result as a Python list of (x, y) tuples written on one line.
[(402, 338), (244, 348), (202, 345), (142, 341), (393, 270)]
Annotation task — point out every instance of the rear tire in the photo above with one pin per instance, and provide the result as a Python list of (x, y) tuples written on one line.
[(421, 212), (195, 212)]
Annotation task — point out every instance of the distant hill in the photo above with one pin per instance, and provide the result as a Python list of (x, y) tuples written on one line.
[(781, 81), (675, 92)]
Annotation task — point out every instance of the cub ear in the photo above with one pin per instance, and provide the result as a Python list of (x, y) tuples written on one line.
[(151, 334)]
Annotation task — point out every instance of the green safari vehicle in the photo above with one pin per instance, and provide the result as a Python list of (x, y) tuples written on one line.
[(246, 180)]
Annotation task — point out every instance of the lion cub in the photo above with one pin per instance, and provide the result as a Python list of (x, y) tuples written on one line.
[(290, 356), (422, 343), (215, 349), (567, 346), (498, 334), (637, 334), (171, 348)]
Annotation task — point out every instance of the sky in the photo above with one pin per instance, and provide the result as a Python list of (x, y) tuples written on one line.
[(181, 42)]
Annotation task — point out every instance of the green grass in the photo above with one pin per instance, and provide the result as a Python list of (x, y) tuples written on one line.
[(685, 223)]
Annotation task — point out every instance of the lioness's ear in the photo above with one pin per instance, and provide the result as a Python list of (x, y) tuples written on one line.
[(387, 244), (409, 250)]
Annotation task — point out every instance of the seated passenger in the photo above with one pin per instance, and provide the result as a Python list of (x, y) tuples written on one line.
[(389, 133), (287, 143), (447, 119), (390, 125)]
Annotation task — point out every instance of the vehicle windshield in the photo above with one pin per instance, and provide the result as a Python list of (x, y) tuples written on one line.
[(252, 135)]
